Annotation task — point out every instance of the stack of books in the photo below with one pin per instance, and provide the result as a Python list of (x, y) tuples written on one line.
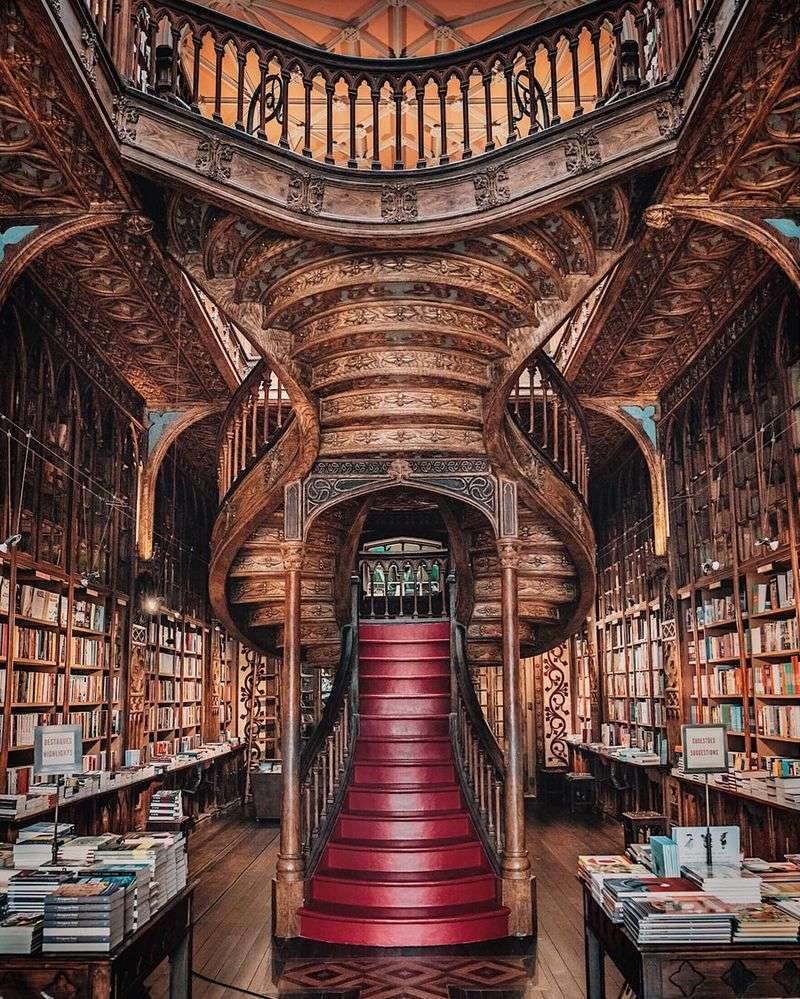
[(698, 919), (141, 882), (664, 852), (780, 891), (765, 923), (21, 933), (27, 890), (725, 881), (34, 851), (594, 871), (45, 829), (85, 915), (616, 890), (166, 806), (82, 849)]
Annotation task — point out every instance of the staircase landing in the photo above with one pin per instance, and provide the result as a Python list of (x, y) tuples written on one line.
[(404, 866)]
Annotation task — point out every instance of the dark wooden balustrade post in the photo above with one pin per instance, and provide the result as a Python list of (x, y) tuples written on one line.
[(516, 866), (290, 869)]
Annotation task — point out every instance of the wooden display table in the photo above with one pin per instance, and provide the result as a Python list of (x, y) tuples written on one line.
[(110, 976), (661, 971), (622, 785)]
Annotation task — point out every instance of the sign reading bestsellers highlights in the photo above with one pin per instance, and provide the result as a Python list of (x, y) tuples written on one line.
[(57, 749), (705, 749)]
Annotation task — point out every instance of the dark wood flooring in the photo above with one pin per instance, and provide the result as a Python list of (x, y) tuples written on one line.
[(234, 860)]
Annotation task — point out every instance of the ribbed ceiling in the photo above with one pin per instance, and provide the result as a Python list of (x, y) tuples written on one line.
[(390, 28)]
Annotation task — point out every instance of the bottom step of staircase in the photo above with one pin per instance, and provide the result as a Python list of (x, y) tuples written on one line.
[(441, 926)]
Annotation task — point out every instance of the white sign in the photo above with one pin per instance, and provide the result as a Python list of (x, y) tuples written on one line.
[(57, 749), (705, 749)]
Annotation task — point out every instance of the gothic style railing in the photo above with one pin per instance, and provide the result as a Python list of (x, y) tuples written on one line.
[(547, 411), (403, 586), (327, 757), (256, 417), (479, 759), (394, 114)]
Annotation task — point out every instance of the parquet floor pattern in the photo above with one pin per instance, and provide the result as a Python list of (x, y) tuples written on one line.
[(234, 860)]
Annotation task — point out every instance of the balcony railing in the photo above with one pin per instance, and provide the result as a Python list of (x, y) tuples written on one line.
[(397, 114), (548, 413), (255, 419), (403, 586)]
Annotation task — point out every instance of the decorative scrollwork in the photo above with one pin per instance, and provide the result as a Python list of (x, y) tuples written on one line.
[(266, 104), (531, 101)]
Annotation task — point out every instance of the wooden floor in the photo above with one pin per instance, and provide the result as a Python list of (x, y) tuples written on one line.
[(234, 860)]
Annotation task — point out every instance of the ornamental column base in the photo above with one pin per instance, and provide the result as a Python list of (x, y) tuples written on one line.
[(519, 896), (288, 895)]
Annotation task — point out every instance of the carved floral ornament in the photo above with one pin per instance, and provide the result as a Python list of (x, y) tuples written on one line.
[(508, 552), (292, 554)]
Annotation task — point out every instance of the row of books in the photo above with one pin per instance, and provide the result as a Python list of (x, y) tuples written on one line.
[(779, 720), (774, 636), (190, 715), (724, 682), (725, 646), (48, 606), (647, 713), (773, 594), (777, 678), (713, 610), (730, 715)]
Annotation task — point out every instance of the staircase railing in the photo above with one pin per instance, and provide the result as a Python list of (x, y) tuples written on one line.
[(394, 114), (548, 413), (479, 759), (327, 757), (403, 586), (256, 416)]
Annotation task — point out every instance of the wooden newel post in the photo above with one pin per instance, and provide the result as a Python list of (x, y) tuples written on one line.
[(290, 869), (516, 868)]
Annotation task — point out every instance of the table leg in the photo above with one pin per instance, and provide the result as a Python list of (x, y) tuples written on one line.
[(180, 969), (595, 970)]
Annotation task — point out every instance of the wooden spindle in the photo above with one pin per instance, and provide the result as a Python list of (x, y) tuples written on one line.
[(307, 87), (375, 94), (286, 79), (552, 53), (512, 129), (397, 94), (197, 44), (329, 88), (444, 156), (487, 97), (352, 94), (219, 52), (467, 148), (422, 160), (576, 78)]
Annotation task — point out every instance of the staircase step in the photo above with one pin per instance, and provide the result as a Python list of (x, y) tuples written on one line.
[(414, 686), (405, 775), (376, 666), (404, 632), (378, 727), (421, 649), (395, 857), (419, 801), (425, 750), (365, 825), (398, 927), (394, 705), (405, 890)]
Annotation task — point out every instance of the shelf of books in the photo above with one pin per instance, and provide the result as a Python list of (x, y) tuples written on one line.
[(57, 667), (488, 683), (175, 670), (228, 657), (628, 619), (735, 550), (583, 663)]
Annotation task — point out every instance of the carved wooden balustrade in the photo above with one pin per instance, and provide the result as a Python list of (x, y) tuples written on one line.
[(479, 759), (394, 114), (327, 756), (256, 417), (547, 411), (403, 586)]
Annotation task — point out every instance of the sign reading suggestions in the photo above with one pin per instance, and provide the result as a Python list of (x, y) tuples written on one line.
[(705, 749), (57, 749)]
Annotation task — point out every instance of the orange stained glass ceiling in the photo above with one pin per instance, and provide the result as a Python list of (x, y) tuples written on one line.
[(390, 28)]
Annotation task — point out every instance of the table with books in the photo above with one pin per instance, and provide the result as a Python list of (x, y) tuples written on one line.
[(676, 927), (98, 920)]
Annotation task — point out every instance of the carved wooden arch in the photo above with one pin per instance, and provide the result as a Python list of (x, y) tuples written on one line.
[(151, 468), (746, 221), (655, 465), (330, 482), (45, 236)]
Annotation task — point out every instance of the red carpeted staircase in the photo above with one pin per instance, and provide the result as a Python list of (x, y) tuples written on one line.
[(404, 866)]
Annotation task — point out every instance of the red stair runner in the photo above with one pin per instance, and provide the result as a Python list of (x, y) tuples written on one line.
[(404, 866)]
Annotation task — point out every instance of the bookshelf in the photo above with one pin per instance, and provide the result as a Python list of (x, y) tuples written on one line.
[(628, 613), (732, 469), (583, 656), (488, 682)]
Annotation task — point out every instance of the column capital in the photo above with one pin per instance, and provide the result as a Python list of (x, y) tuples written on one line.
[(292, 552), (508, 552)]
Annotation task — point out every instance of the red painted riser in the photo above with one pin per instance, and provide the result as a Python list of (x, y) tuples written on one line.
[(413, 686), (401, 857), (376, 727), (425, 750), (377, 666), (404, 867), (382, 801), (337, 924), (431, 889)]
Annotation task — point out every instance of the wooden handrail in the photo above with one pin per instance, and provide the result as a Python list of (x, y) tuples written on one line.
[(479, 759), (327, 757), (441, 108), (256, 418), (545, 408)]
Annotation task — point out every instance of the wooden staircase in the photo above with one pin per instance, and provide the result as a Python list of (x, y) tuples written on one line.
[(404, 865)]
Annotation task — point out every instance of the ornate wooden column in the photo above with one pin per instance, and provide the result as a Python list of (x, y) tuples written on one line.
[(290, 869), (516, 871)]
